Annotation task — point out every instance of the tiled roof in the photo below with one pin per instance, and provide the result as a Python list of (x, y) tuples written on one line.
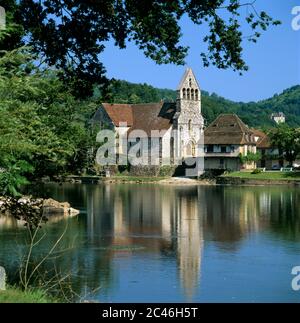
[(264, 141), (228, 129), (146, 117), (119, 113)]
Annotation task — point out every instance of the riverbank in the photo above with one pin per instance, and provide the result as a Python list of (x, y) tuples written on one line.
[(263, 178), (15, 295), (234, 178), (137, 180)]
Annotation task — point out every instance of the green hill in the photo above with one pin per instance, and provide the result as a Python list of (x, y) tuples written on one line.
[(255, 114)]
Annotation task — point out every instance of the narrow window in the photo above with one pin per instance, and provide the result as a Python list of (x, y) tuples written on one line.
[(192, 94), (172, 150), (184, 94), (160, 150), (190, 125), (188, 94), (193, 150), (196, 95)]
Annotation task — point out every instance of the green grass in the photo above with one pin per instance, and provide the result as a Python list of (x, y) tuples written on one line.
[(14, 295), (267, 175)]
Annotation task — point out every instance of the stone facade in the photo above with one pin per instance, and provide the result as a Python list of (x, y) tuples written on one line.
[(166, 133), (188, 120)]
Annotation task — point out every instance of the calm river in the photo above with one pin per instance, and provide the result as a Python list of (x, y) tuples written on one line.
[(155, 243)]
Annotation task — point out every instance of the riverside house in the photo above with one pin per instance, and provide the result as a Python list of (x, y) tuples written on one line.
[(270, 154), (226, 140)]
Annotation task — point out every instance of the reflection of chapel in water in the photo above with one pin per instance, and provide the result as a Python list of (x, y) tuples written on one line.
[(174, 218), (189, 242)]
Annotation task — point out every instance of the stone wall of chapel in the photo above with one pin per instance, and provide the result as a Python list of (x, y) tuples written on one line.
[(189, 121)]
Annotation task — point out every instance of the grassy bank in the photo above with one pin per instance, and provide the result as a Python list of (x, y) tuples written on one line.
[(14, 295), (266, 175)]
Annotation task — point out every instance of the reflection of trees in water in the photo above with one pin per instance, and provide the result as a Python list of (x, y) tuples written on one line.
[(222, 217), (234, 212), (284, 214), (162, 219)]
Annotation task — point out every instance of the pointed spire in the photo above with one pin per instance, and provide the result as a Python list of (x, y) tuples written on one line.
[(188, 77)]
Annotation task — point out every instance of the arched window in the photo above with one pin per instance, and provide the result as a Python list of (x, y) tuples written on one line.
[(190, 125), (184, 94), (192, 95), (188, 94), (190, 149), (190, 82), (193, 150), (196, 95)]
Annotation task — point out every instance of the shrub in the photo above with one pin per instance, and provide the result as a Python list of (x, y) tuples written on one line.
[(256, 171), (167, 171)]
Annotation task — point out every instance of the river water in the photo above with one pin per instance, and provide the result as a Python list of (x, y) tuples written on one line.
[(164, 243)]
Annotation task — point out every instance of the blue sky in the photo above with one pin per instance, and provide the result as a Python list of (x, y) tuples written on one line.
[(274, 61)]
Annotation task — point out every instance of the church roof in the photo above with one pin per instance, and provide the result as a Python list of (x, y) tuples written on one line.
[(146, 117), (228, 129), (185, 75), (119, 113)]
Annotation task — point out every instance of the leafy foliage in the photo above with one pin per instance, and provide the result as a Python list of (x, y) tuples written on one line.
[(11, 178), (250, 157), (287, 140), (71, 35), (42, 126)]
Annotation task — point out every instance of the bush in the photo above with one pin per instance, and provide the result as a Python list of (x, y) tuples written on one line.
[(148, 171), (256, 171), (167, 171)]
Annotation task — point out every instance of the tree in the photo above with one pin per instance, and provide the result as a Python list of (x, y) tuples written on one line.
[(287, 140), (71, 34), (42, 125)]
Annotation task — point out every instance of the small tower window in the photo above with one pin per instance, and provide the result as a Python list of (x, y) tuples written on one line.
[(184, 94), (188, 94), (192, 95), (196, 95), (190, 125), (190, 82)]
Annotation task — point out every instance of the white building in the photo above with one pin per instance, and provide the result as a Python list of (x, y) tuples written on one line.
[(278, 117)]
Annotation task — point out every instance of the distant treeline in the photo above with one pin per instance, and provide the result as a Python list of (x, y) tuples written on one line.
[(255, 114)]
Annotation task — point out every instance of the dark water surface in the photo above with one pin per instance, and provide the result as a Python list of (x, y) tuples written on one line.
[(155, 243)]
